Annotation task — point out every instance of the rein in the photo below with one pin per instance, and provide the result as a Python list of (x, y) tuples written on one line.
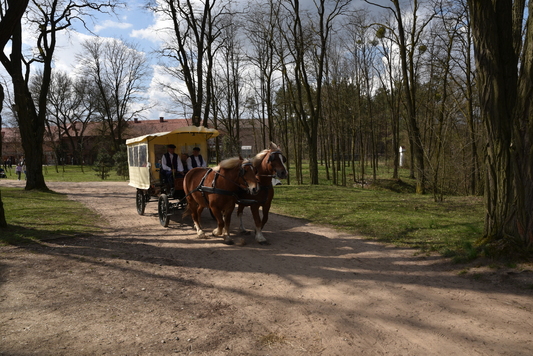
[(213, 190), (241, 175)]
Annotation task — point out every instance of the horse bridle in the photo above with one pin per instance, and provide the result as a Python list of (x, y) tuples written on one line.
[(270, 159), (242, 172)]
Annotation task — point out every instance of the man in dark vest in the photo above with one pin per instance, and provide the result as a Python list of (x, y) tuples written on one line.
[(171, 166), (196, 159)]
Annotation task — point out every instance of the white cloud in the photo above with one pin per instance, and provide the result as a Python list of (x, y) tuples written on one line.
[(161, 102), (111, 24), (157, 31)]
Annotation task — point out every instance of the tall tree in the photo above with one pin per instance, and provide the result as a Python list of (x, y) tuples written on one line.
[(47, 17), (228, 86), (191, 51), (408, 43), (308, 44), (11, 12), (72, 105), (504, 59), (117, 70), (262, 33)]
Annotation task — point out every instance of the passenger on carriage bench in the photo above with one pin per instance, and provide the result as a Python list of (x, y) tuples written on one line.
[(171, 165), (196, 159)]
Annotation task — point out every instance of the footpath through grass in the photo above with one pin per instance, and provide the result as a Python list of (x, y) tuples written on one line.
[(390, 214)]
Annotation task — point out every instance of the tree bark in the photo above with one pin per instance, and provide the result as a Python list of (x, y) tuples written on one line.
[(31, 124), (3, 222), (506, 105)]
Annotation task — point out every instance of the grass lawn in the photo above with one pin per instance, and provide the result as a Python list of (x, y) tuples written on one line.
[(69, 173), (388, 211), (34, 216), (450, 227)]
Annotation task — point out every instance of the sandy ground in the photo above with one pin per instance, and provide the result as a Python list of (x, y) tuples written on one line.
[(141, 289)]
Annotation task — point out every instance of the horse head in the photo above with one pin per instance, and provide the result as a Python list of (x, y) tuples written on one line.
[(276, 161), (240, 173), (248, 173)]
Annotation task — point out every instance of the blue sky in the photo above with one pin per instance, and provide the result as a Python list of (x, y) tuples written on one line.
[(131, 24)]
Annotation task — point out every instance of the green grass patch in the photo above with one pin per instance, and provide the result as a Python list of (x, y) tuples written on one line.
[(69, 173), (34, 215), (76, 174), (409, 220)]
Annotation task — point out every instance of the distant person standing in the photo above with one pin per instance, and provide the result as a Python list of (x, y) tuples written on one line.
[(196, 159), (18, 170)]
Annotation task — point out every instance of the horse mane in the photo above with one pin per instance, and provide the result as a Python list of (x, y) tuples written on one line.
[(256, 161), (229, 163)]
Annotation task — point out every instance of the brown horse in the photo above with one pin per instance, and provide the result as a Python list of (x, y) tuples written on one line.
[(269, 164), (217, 189)]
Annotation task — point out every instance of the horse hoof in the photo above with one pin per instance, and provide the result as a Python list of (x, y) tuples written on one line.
[(264, 243), (240, 241), (202, 236)]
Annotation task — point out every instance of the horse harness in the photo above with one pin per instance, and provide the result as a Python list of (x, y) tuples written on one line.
[(214, 190), (248, 202)]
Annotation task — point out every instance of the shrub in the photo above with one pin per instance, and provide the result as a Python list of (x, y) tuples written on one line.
[(121, 162), (103, 164)]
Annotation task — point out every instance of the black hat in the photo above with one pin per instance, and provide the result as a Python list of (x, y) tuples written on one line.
[(171, 146), (196, 149)]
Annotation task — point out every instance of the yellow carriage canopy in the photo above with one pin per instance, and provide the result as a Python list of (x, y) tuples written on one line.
[(145, 152)]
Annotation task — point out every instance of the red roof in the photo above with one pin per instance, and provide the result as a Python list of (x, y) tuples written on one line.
[(144, 127)]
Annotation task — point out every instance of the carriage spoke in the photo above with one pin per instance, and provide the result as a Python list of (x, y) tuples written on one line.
[(163, 210)]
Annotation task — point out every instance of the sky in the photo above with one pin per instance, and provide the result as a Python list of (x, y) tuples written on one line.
[(131, 24)]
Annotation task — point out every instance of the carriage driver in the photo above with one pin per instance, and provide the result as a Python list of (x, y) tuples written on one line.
[(196, 159), (171, 165)]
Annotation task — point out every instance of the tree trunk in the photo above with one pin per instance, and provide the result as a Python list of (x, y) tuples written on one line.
[(31, 124), (506, 106), (3, 222)]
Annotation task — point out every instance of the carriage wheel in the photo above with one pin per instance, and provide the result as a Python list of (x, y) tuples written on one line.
[(140, 201), (163, 210)]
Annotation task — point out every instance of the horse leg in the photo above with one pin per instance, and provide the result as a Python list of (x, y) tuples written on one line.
[(240, 210), (266, 209), (196, 212), (227, 221), (219, 230), (258, 226)]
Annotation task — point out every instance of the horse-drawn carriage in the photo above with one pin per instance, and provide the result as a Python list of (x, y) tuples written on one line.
[(144, 161), (233, 181)]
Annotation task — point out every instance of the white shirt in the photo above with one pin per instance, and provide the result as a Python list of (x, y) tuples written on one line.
[(189, 162), (168, 166)]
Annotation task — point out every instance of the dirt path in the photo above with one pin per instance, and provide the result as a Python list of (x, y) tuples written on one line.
[(140, 289)]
